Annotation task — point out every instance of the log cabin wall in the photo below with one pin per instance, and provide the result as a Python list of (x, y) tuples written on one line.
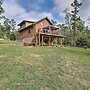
[(41, 24), (26, 33), (25, 24)]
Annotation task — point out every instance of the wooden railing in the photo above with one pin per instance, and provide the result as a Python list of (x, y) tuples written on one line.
[(49, 32)]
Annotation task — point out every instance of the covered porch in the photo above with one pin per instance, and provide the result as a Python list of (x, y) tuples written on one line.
[(45, 39)]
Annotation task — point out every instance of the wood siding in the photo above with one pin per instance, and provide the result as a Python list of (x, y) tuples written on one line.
[(42, 24), (25, 24), (30, 32), (26, 33)]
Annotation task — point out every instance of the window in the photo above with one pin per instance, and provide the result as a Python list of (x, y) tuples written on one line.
[(29, 31), (41, 24), (44, 24), (39, 30)]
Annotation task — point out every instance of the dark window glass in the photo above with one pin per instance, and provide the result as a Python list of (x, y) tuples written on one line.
[(29, 31)]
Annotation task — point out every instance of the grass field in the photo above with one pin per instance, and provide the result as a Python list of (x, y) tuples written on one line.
[(44, 68), (8, 42)]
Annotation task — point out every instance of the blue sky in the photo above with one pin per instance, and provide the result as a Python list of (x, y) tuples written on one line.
[(37, 9)]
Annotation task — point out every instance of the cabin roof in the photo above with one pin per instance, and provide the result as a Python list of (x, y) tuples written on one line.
[(21, 29), (25, 21), (34, 23)]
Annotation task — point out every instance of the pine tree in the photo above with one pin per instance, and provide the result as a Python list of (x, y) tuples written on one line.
[(76, 5), (1, 8)]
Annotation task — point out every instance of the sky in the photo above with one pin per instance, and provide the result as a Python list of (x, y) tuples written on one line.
[(34, 10)]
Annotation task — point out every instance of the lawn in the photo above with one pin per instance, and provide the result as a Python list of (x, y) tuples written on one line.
[(7, 42), (44, 68)]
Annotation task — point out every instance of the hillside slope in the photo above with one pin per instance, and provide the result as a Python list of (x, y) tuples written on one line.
[(44, 68)]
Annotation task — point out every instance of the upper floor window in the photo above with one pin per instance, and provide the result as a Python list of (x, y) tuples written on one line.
[(41, 24), (29, 31), (44, 24), (39, 30)]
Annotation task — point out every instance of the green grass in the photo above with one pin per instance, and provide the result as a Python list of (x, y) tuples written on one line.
[(44, 68), (8, 42)]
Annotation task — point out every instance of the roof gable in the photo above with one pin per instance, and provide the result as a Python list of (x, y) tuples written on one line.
[(44, 19), (34, 23)]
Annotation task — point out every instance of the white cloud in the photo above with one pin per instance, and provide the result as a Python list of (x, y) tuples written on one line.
[(61, 5), (35, 15), (85, 10), (14, 10), (36, 5)]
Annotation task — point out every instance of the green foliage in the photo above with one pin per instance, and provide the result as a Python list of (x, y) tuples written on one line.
[(78, 35), (7, 30), (12, 36), (7, 26), (88, 42), (1, 31), (12, 24), (80, 25), (76, 5), (1, 9)]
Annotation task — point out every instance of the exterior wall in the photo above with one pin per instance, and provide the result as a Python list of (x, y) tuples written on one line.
[(29, 39), (41, 24), (28, 24), (26, 33), (23, 25)]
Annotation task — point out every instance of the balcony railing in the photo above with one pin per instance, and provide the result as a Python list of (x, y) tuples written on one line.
[(49, 31)]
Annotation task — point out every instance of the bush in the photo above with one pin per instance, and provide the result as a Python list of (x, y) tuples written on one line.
[(88, 42), (12, 36)]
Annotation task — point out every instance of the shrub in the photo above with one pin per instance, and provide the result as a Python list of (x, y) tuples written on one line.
[(12, 36)]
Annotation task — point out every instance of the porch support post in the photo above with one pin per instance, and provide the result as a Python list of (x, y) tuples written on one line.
[(36, 39), (42, 40), (61, 41), (39, 38), (49, 40), (52, 41)]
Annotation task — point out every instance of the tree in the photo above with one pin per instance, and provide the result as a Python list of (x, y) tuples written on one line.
[(7, 26), (80, 25), (12, 24), (1, 8), (68, 28), (54, 22), (67, 16), (12, 36), (6, 29), (1, 31), (87, 34), (1, 11), (76, 5)]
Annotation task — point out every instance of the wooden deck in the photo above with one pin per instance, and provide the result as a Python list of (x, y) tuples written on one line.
[(55, 35)]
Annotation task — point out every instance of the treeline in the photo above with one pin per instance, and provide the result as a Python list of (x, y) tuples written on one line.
[(77, 34), (74, 28), (7, 26)]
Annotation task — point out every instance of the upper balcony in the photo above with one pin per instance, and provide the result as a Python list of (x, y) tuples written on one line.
[(50, 30)]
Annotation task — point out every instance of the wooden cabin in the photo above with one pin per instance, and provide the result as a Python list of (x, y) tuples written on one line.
[(40, 33)]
